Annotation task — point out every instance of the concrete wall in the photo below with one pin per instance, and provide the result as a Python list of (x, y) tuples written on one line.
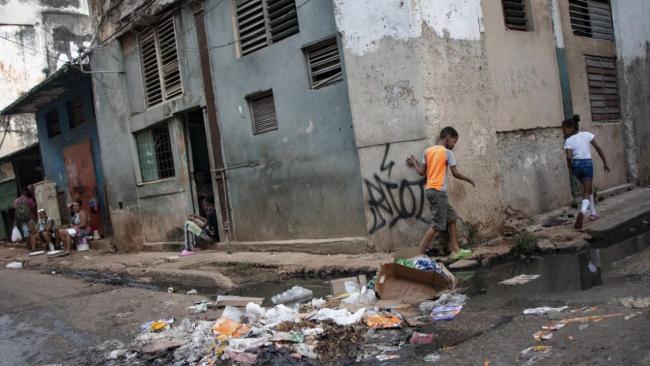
[(307, 184), (42, 35), (414, 68), (609, 134), (144, 211), (52, 147), (632, 31)]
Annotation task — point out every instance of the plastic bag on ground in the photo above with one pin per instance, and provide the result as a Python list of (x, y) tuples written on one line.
[(544, 310), (247, 344), (232, 313), (293, 294), (383, 321), (15, 265), (351, 287), (339, 316), (318, 303), (445, 312), (254, 313), (280, 314), (361, 298), (445, 299)]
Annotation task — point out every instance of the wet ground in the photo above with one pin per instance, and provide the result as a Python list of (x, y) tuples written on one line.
[(51, 319)]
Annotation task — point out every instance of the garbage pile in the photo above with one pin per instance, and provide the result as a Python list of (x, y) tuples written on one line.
[(359, 321)]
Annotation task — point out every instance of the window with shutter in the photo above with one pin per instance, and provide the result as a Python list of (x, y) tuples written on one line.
[(591, 18), (76, 114), (603, 89), (263, 22), (514, 14), (324, 63), (155, 153), (263, 112), (52, 123), (159, 57)]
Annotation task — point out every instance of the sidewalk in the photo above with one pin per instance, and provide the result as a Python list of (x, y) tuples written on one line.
[(621, 215)]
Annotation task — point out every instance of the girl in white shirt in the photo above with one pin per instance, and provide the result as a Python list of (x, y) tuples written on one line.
[(578, 154)]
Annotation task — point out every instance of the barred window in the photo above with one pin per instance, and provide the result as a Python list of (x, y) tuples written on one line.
[(591, 18), (263, 22), (324, 63), (155, 153), (159, 57), (262, 108), (603, 89), (52, 123), (515, 14), (76, 114)]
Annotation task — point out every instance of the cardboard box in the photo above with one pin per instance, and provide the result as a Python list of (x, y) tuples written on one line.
[(409, 285), (224, 300)]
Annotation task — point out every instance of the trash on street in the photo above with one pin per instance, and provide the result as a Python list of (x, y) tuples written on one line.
[(520, 280), (296, 293), (445, 312), (383, 321), (544, 310), (421, 338), (15, 265)]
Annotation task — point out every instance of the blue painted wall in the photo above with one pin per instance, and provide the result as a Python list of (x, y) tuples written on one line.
[(52, 147)]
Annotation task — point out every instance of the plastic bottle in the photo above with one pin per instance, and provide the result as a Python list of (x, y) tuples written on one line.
[(293, 294)]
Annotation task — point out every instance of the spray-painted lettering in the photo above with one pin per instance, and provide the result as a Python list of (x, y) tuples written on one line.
[(391, 201)]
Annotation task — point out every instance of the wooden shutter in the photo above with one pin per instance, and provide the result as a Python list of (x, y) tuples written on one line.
[(514, 13), (52, 123), (324, 63), (251, 25), (591, 18), (263, 111), (76, 114), (150, 70), (171, 73), (603, 88), (64, 210), (283, 18)]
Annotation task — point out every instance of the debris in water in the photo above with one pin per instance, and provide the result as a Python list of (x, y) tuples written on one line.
[(295, 293), (520, 280), (544, 310), (635, 302)]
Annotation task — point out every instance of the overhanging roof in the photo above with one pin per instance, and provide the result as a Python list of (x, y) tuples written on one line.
[(46, 91)]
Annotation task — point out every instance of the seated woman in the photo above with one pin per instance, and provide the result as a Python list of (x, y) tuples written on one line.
[(78, 229), (201, 228), (42, 231)]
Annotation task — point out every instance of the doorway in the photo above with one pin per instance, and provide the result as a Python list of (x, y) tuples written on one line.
[(199, 161)]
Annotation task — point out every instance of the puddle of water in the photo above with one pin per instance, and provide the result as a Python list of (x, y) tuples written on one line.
[(320, 287), (559, 273)]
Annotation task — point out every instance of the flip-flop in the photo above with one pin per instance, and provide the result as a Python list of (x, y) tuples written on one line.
[(463, 253)]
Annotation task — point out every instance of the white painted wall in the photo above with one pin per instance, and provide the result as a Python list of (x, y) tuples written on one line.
[(631, 27), (365, 22)]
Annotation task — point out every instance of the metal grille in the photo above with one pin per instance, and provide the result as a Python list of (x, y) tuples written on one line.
[(514, 13), (263, 111), (263, 22), (53, 123), (169, 58), (76, 115), (64, 210), (160, 67), (283, 18), (251, 25), (324, 63), (603, 88), (155, 153), (591, 18)]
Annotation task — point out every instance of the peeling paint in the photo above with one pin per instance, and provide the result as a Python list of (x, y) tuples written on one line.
[(363, 23)]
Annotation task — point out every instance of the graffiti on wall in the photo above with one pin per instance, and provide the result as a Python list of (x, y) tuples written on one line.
[(393, 200)]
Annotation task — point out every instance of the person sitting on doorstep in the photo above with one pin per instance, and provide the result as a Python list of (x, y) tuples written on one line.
[(42, 231), (78, 229), (198, 227), (25, 210)]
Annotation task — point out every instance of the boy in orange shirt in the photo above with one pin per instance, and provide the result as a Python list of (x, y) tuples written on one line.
[(434, 167)]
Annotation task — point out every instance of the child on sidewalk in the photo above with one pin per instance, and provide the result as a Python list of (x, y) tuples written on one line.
[(578, 155), (434, 167)]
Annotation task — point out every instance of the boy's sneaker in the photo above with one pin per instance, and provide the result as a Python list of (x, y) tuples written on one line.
[(579, 220), (594, 217), (186, 252), (463, 253)]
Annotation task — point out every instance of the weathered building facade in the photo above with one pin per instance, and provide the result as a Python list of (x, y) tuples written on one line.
[(300, 114)]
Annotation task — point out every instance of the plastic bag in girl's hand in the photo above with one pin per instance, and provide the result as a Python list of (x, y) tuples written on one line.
[(15, 235)]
